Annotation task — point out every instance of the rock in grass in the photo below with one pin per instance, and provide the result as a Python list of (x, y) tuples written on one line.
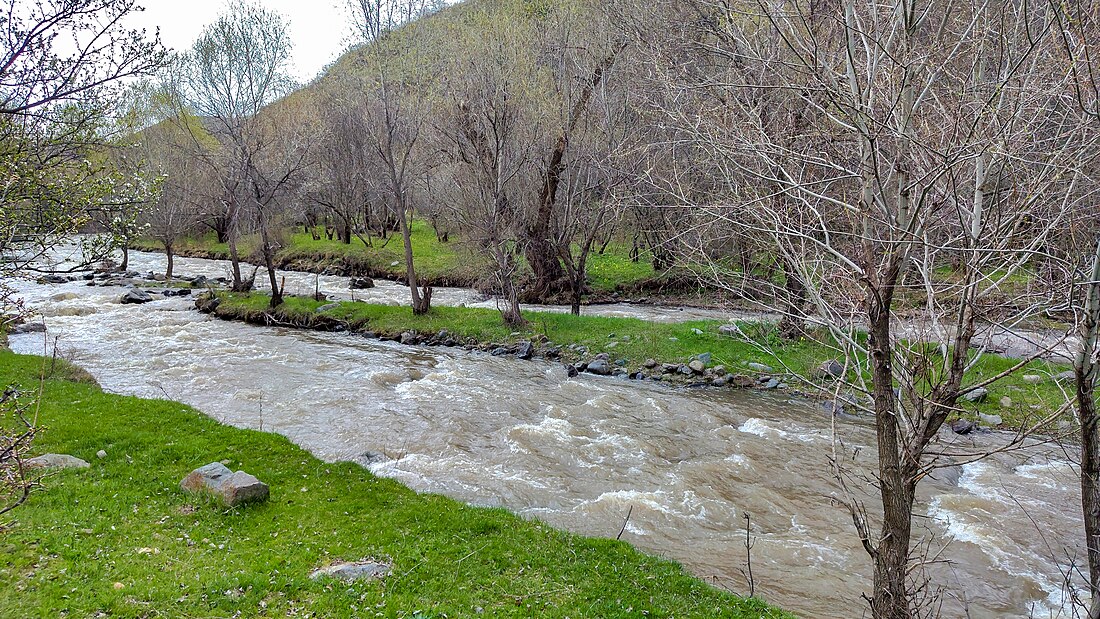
[(350, 572), (136, 297), (976, 396), (650, 364), (327, 308), (990, 420), (56, 461), (232, 488), (697, 366), (830, 370), (759, 367), (1032, 379), (1066, 377)]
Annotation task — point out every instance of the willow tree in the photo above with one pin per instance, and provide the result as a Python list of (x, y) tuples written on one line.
[(237, 67)]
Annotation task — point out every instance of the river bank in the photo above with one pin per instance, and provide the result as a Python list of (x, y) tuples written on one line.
[(579, 453), (121, 538), (613, 275), (701, 353)]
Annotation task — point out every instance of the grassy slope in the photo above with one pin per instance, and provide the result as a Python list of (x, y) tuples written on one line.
[(637, 340), (126, 521)]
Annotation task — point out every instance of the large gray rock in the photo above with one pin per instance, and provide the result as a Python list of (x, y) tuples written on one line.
[(56, 461), (361, 283), (759, 367), (525, 350), (232, 488), (136, 297), (1032, 379), (963, 426), (599, 367), (830, 370), (349, 572), (697, 366), (28, 327), (976, 396)]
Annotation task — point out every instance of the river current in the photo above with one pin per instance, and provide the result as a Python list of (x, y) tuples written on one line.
[(582, 453)]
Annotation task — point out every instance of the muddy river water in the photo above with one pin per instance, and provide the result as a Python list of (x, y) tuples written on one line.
[(580, 453)]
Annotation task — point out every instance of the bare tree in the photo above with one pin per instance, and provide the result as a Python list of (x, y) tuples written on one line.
[(489, 124), (373, 18), (398, 117), (933, 137), (238, 66)]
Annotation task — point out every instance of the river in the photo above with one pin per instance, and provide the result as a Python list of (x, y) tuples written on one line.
[(581, 453)]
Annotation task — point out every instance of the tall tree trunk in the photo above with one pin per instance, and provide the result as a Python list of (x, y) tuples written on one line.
[(421, 303), (539, 250), (890, 599), (169, 250), (792, 326), (268, 250), (235, 262), (1086, 368), (125, 257)]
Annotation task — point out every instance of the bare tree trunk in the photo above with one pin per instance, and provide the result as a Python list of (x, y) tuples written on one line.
[(268, 251), (792, 326), (421, 303), (540, 252), (169, 250), (235, 261), (125, 257), (1086, 369), (891, 555)]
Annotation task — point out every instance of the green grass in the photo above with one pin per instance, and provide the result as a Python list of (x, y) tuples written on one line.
[(635, 341), (126, 521), (614, 269), (452, 263)]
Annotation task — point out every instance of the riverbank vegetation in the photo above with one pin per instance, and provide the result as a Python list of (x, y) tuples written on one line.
[(451, 263), (1033, 393), (122, 539)]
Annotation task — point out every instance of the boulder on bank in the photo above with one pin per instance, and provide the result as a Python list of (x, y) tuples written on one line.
[(136, 297), (56, 461), (963, 426), (361, 283), (232, 488), (599, 367)]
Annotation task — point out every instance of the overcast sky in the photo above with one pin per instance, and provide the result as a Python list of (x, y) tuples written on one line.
[(319, 29)]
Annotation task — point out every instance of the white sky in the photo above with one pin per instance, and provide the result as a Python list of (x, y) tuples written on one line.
[(318, 27)]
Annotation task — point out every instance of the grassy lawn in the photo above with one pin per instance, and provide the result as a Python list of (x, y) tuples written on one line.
[(120, 539), (635, 341)]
